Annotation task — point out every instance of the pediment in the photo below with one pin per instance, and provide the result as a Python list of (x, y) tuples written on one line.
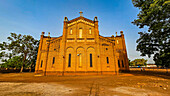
[(81, 19)]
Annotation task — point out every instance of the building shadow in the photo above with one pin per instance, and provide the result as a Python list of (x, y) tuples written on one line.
[(164, 75), (11, 70)]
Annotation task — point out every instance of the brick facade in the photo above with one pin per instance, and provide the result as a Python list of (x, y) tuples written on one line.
[(81, 51)]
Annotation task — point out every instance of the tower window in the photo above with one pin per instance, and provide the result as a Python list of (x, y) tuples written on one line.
[(80, 33), (91, 65), (119, 63), (71, 32), (41, 63), (53, 60), (122, 64), (117, 41), (69, 60), (107, 58), (90, 31)]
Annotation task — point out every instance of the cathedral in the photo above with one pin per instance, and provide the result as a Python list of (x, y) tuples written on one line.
[(81, 50)]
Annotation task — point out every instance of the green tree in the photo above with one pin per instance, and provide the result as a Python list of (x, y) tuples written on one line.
[(33, 57), (14, 62), (24, 46), (155, 14), (129, 61), (130, 64), (138, 62)]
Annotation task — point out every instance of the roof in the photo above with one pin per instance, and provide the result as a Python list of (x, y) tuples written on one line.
[(109, 38)]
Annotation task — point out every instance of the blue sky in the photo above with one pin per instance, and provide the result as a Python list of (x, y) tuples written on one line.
[(31, 17)]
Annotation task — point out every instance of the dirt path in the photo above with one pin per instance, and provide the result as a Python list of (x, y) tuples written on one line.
[(26, 84), (34, 89)]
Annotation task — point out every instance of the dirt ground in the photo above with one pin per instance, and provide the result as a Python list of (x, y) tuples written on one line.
[(135, 83)]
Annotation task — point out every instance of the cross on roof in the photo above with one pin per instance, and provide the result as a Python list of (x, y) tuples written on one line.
[(81, 13)]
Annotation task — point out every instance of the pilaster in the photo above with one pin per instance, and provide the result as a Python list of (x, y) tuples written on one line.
[(39, 53), (63, 45)]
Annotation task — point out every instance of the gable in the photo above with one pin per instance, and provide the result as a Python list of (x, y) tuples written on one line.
[(82, 20)]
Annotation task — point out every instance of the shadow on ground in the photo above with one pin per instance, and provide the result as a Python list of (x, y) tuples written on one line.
[(150, 73)]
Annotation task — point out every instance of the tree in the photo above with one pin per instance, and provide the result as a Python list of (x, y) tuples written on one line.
[(139, 62), (33, 57), (156, 41), (24, 46), (130, 64), (129, 61), (162, 58), (14, 62)]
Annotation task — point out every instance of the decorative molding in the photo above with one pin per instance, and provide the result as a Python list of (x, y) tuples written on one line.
[(81, 20), (105, 44), (70, 38), (90, 38), (80, 40)]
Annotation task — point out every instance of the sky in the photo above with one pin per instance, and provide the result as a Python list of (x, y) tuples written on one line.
[(31, 17)]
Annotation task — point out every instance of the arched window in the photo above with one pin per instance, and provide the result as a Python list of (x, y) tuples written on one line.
[(91, 65), (53, 60), (107, 58), (90, 31), (119, 63), (117, 41), (71, 31), (41, 63), (80, 32), (122, 64), (80, 60), (69, 60)]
